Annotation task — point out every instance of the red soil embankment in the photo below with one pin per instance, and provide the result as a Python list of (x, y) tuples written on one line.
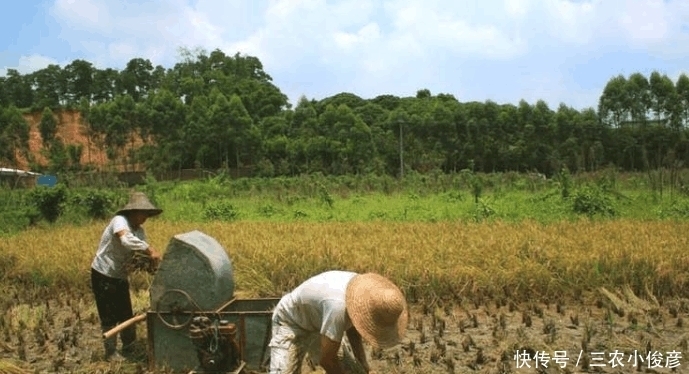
[(71, 131)]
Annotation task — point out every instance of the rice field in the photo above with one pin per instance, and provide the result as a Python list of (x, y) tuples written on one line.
[(481, 292), (504, 273)]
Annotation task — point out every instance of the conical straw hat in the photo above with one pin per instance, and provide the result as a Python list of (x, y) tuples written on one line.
[(378, 309), (139, 201)]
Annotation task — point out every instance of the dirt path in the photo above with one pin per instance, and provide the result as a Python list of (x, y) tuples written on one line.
[(63, 336)]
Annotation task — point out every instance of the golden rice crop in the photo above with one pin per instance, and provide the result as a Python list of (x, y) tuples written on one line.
[(9, 367), (443, 260)]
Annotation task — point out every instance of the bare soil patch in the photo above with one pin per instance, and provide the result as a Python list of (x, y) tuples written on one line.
[(601, 335), (71, 130)]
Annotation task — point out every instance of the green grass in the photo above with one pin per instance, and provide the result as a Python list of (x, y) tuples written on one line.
[(373, 207), (417, 198)]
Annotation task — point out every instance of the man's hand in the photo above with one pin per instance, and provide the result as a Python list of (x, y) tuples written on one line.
[(329, 360), (155, 259), (155, 255), (357, 345)]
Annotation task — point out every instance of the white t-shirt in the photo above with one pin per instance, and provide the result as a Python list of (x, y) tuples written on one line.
[(318, 305), (112, 255)]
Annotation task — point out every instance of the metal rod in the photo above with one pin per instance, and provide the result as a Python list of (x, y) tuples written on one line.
[(224, 306), (266, 340), (151, 347), (242, 343), (212, 313)]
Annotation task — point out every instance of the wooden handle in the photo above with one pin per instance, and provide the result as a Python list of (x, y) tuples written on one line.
[(124, 325)]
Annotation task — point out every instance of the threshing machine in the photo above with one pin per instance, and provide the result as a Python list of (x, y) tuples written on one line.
[(195, 324)]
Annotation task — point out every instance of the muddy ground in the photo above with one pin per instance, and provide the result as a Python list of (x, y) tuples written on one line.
[(62, 335)]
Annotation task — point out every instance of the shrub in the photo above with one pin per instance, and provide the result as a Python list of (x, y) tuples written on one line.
[(565, 180), (324, 195), (221, 210), (151, 187), (483, 210), (268, 210), (591, 201), (18, 219), (476, 188), (97, 203), (49, 201)]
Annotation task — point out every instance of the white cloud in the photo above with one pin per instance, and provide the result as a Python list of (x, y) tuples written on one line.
[(646, 23), (642, 24), (131, 30), (348, 41), (84, 15), (517, 8), (453, 30), (572, 22), (122, 49), (29, 64), (507, 49)]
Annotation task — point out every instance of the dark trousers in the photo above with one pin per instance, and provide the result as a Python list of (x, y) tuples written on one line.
[(114, 306)]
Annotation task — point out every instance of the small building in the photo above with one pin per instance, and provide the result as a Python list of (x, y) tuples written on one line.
[(17, 177)]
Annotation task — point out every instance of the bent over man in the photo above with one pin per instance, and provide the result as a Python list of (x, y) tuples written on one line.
[(316, 316)]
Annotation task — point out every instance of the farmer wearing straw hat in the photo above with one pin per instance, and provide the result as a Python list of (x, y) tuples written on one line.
[(317, 315), (109, 270)]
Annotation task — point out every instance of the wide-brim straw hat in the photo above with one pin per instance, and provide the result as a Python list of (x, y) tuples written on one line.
[(378, 309), (139, 201)]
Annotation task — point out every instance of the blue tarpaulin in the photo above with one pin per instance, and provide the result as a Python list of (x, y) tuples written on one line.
[(46, 180)]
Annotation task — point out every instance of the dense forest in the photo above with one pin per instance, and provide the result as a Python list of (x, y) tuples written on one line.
[(213, 110)]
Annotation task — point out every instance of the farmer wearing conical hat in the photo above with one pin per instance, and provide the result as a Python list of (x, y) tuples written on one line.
[(109, 270), (317, 315)]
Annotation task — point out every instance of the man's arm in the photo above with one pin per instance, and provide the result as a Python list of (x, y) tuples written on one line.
[(130, 241), (358, 347), (329, 360)]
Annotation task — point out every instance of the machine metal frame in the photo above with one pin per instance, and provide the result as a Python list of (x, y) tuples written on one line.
[(250, 316)]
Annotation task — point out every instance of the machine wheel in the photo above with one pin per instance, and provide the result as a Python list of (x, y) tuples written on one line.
[(176, 307)]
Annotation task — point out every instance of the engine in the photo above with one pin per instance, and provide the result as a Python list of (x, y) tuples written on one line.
[(216, 347)]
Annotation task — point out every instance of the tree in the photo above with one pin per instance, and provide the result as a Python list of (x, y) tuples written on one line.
[(4, 96), (58, 156), (74, 153), (50, 87), (47, 127), (214, 109), (18, 89), (682, 89), (162, 130), (79, 78), (232, 127), (423, 94), (613, 107), (396, 122), (662, 96), (137, 78), (638, 98), (198, 134), (14, 136), (105, 85)]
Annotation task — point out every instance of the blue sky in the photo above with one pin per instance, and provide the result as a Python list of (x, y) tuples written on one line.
[(500, 50)]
